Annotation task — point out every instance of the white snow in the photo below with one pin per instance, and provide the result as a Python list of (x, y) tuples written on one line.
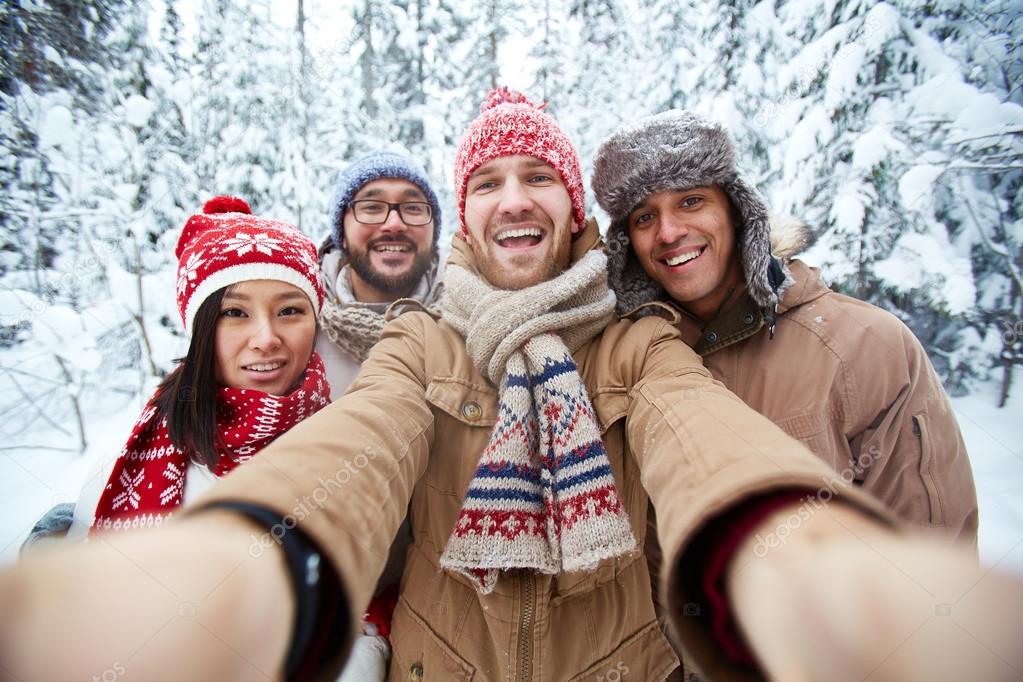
[(57, 127), (926, 262), (916, 187), (849, 208), (873, 147), (52, 55), (994, 439), (881, 24), (845, 69), (137, 110)]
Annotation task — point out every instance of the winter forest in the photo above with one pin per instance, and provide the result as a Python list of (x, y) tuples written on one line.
[(892, 128)]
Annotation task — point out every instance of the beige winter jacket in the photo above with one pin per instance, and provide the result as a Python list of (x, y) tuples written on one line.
[(412, 427), (851, 382)]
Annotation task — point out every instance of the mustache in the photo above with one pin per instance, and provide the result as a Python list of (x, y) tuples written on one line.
[(527, 216)]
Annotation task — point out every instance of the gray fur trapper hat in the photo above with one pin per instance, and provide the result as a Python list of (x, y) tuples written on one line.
[(678, 150)]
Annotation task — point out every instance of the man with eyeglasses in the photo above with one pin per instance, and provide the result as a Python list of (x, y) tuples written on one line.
[(385, 220)]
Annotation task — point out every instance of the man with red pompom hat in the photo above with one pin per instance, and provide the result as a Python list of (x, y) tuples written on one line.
[(526, 430)]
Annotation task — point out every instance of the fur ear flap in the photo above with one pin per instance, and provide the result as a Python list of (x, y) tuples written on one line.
[(753, 237), (626, 277)]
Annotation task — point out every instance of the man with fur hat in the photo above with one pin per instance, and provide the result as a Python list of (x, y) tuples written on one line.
[(385, 222), (845, 377), (529, 430)]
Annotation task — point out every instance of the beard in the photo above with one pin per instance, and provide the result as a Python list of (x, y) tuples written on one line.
[(512, 272), (393, 285)]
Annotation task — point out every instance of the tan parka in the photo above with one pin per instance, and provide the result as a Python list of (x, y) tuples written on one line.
[(853, 383), (412, 427)]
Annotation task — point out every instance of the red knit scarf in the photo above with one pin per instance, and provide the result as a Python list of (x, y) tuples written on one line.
[(148, 480)]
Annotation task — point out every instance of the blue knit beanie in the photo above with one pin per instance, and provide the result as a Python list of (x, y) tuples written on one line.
[(374, 166)]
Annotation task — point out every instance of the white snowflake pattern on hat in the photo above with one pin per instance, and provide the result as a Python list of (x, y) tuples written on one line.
[(189, 271), (243, 243), (308, 261)]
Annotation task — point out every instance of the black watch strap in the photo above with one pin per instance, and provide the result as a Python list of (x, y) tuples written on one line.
[(320, 627)]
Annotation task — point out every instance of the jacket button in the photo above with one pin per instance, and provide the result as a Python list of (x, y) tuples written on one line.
[(415, 673), (747, 318), (712, 337), (471, 411)]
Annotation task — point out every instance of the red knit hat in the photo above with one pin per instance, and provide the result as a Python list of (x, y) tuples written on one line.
[(226, 244), (510, 124)]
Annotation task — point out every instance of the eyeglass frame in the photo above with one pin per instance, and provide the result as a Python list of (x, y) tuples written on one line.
[(392, 206)]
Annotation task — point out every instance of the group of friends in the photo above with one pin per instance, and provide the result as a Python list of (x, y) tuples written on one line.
[(667, 451)]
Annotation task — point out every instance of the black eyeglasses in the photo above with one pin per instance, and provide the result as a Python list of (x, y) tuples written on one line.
[(373, 212)]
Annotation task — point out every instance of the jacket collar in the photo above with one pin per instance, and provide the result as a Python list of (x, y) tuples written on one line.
[(742, 318)]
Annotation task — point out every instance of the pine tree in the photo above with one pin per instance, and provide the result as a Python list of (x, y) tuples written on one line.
[(870, 158)]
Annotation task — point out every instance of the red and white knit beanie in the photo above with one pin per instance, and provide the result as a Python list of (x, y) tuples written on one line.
[(226, 244), (510, 124)]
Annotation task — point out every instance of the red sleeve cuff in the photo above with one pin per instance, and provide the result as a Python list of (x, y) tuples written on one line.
[(718, 544), (381, 608)]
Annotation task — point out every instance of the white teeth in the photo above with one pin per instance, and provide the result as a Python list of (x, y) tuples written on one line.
[(682, 258), (264, 367), (519, 232), (393, 249)]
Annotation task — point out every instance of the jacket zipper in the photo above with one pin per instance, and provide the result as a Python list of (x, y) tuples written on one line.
[(526, 624)]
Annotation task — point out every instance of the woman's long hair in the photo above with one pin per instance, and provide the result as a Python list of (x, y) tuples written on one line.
[(187, 397)]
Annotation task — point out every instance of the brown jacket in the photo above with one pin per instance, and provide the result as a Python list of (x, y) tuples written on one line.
[(851, 382), (412, 427)]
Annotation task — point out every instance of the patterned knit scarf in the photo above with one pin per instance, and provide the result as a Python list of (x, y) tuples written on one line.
[(543, 496), (355, 326), (148, 480)]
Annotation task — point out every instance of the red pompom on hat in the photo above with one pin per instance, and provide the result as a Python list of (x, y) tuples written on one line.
[(226, 244), (510, 123), (226, 204)]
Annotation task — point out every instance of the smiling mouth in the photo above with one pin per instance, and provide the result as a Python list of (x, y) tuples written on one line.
[(392, 248), (519, 237), (263, 366), (683, 257)]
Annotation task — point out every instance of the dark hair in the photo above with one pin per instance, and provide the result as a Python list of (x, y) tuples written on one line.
[(187, 397)]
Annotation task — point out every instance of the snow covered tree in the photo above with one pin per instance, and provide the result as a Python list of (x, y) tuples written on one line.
[(599, 91), (871, 149)]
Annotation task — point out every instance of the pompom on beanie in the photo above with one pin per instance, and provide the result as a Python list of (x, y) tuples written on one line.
[(226, 244)]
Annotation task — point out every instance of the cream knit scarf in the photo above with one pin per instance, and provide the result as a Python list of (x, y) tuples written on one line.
[(543, 496)]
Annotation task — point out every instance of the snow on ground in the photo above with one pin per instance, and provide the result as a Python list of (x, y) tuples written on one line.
[(994, 439), (32, 482)]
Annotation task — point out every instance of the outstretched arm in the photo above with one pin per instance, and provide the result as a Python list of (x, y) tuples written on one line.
[(817, 579), (847, 599), (209, 596), (189, 601)]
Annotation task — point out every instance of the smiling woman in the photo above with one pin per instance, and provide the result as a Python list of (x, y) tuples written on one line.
[(264, 336), (248, 290)]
